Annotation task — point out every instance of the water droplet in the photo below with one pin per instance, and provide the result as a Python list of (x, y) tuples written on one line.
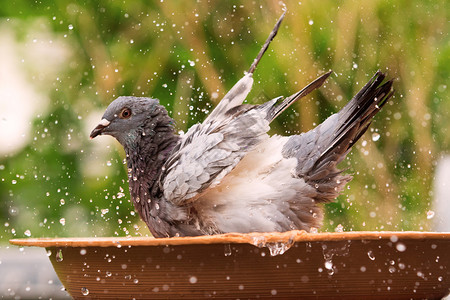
[(275, 248), (108, 274), (108, 163), (104, 211), (84, 291), (136, 281), (279, 248), (329, 267), (62, 221), (59, 256), (430, 214), (62, 201), (83, 251), (49, 252), (400, 247), (339, 228), (227, 251), (193, 279), (375, 136), (13, 181), (70, 26), (310, 22), (371, 255), (27, 232)]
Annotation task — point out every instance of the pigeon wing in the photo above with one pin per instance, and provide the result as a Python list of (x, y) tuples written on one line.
[(210, 150)]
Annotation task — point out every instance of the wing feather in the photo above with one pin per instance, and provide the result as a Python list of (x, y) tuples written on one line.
[(208, 152)]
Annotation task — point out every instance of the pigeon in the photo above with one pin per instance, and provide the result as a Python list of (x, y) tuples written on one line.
[(226, 174)]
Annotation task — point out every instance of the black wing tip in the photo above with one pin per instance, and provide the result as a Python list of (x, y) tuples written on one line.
[(377, 87), (385, 89), (315, 84), (322, 78)]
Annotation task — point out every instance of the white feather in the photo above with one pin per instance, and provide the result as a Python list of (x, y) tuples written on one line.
[(257, 193)]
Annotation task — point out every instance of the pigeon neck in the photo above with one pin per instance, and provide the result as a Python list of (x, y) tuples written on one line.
[(152, 145)]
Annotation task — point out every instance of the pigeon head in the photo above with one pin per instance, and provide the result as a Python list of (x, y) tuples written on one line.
[(125, 118)]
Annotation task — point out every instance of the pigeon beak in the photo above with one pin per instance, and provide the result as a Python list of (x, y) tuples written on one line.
[(99, 129)]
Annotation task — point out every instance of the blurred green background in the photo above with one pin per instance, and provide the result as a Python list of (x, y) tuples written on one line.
[(63, 62)]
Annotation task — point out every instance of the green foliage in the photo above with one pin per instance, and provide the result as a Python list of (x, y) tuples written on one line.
[(188, 55)]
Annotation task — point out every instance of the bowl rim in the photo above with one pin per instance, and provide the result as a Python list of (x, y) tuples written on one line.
[(230, 238)]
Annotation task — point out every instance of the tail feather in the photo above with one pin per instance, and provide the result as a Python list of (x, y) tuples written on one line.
[(357, 115), (320, 150)]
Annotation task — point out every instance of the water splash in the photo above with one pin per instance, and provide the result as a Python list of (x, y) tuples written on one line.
[(329, 266), (330, 253), (328, 257), (275, 248), (227, 251), (339, 228)]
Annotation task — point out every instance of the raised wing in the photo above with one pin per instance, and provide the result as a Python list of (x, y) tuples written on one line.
[(209, 151), (240, 90)]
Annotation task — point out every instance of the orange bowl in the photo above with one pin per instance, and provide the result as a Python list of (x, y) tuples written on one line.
[(295, 264)]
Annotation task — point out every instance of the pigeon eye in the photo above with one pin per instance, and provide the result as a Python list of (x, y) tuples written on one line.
[(125, 113)]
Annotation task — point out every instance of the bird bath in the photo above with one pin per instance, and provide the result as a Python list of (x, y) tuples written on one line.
[(295, 264)]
